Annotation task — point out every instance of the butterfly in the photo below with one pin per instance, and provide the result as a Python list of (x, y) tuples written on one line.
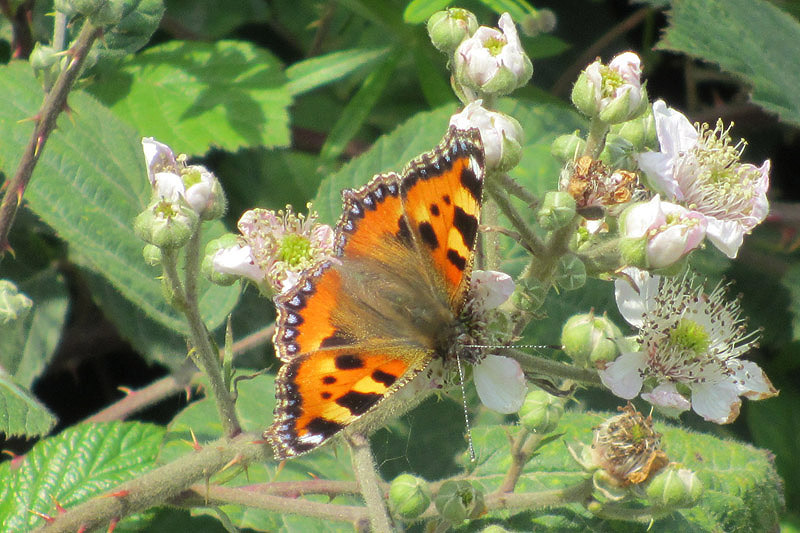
[(357, 328)]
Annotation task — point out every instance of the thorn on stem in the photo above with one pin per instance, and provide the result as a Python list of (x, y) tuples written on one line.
[(49, 519), (195, 445), (112, 525), (117, 494)]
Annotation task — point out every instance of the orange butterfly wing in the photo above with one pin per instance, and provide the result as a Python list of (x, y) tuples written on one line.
[(357, 328)]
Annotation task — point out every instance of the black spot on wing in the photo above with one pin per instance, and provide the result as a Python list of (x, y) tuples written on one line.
[(434, 209), (456, 259), (446, 199), (336, 339), (428, 235), (326, 395), (472, 183), (329, 380), (384, 377), (320, 426), (358, 403), (348, 362), (467, 226)]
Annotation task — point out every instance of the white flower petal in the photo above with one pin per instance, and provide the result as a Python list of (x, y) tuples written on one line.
[(675, 133), (635, 293), (659, 169), (716, 402), (752, 382), (158, 157), (726, 235), (237, 260), (624, 375), (168, 185), (491, 288), (500, 383), (667, 397)]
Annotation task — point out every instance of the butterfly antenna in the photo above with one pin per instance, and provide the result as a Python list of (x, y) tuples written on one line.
[(466, 413), (537, 346)]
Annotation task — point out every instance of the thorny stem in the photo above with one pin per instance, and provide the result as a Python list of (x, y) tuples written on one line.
[(511, 185), (54, 103), (158, 486), (369, 481), (529, 238), (202, 495), (205, 354)]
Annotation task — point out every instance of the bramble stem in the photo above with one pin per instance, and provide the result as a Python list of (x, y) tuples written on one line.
[(204, 353), (369, 481), (529, 238), (158, 486), (548, 367), (54, 103)]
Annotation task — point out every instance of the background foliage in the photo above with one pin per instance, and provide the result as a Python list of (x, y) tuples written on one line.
[(279, 97)]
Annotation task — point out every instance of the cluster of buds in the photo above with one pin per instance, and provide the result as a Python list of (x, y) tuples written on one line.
[(182, 196), (486, 63)]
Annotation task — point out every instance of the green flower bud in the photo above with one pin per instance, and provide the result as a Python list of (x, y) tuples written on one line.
[(541, 411), (409, 496), (674, 487), (151, 254), (583, 96), (13, 304), (568, 147), (634, 252), (590, 339), (207, 267), (43, 57), (458, 500), (640, 132), (626, 107), (494, 528), (166, 224), (557, 210), (570, 273), (449, 27)]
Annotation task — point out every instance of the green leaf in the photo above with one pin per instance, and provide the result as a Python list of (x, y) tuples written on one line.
[(254, 405), (518, 9), (419, 11), (20, 413), (358, 109), (742, 490), (432, 79), (193, 95), (27, 345), (89, 185), (317, 72), (82, 462), (752, 39)]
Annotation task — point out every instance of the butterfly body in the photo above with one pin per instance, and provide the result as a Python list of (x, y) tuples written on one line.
[(357, 328)]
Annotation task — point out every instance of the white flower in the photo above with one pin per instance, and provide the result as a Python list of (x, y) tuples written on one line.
[(501, 134), (493, 61), (499, 380), (172, 180), (274, 248), (668, 231), (699, 168), (613, 92), (690, 347)]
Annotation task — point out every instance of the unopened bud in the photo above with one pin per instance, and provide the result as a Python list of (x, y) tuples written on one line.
[(568, 147), (541, 411), (590, 339), (674, 487), (449, 27), (458, 500), (166, 224), (409, 496)]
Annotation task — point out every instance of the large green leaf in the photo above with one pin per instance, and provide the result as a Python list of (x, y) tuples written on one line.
[(208, 21), (254, 405), (20, 413), (193, 95), (89, 185), (752, 39), (82, 462)]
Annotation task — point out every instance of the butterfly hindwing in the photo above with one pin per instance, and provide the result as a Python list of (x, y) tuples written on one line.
[(358, 327)]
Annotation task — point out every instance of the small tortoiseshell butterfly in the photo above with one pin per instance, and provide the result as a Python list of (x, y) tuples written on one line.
[(357, 328)]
